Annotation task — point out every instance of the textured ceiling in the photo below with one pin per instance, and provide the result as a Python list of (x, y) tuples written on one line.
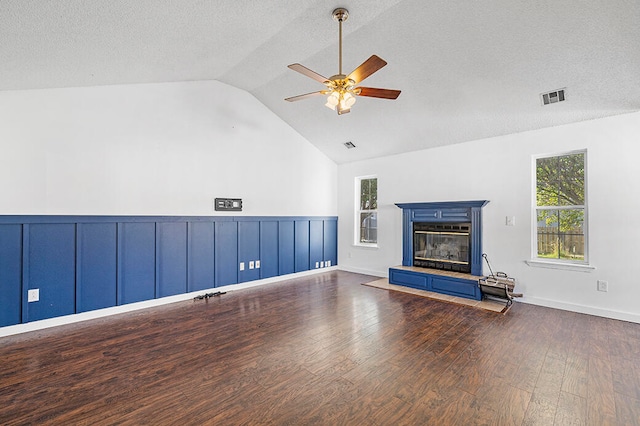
[(467, 69)]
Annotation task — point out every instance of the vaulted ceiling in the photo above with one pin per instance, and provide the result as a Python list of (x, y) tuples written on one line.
[(467, 69)]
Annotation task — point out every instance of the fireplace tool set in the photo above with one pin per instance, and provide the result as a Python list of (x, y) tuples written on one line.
[(498, 286)]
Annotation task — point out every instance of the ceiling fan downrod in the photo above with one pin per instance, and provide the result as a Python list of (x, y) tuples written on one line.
[(340, 14)]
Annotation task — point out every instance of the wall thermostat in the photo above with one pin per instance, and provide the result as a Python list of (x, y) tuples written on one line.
[(228, 204)]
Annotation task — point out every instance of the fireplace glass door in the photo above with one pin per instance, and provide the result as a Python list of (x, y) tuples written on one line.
[(442, 246)]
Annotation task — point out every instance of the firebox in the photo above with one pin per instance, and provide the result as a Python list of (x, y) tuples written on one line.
[(444, 246)]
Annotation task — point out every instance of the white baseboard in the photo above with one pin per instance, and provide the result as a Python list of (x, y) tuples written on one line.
[(590, 310), (380, 274), (100, 313)]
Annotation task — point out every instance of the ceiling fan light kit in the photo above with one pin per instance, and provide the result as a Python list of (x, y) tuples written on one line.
[(341, 89)]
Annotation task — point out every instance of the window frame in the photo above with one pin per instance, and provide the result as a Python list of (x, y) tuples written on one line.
[(576, 264), (357, 184)]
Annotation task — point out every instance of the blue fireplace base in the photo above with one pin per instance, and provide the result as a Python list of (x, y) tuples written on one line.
[(451, 283)]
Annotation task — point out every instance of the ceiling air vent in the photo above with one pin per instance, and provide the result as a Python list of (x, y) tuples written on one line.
[(552, 97), (349, 145)]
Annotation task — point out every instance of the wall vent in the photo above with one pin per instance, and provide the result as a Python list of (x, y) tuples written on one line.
[(552, 97), (349, 145)]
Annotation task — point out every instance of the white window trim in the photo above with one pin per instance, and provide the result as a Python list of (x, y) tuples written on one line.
[(356, 216), (572, 265)]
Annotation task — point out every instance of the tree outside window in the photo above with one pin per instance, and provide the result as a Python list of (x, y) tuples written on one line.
[(367, 215), (561, 207)]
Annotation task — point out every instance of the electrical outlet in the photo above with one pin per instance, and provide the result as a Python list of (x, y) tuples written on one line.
[(251, 264), (33, 295), (242, 266), (257, 264), (510, 221), (317, 265), (328, 263), (603, 285), (322, 264)]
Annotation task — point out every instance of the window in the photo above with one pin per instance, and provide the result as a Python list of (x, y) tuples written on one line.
[(561, 208), (366, 214)]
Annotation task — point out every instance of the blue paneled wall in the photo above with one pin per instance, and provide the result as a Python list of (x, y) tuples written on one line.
[(10, 274), (96, 270), (83, 263)]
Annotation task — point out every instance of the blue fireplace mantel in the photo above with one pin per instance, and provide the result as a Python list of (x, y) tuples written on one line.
[(446, 211)]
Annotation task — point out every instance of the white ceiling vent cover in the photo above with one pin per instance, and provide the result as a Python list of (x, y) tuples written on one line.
[(552, 97), (349, 145)]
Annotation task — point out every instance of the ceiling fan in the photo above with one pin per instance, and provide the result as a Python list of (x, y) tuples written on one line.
[(341, 89)]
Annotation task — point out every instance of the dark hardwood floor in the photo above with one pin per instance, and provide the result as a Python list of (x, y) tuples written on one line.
[(325, 350)]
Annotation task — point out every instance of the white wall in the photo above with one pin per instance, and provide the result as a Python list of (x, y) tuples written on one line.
[(155, 149), (500, 170)]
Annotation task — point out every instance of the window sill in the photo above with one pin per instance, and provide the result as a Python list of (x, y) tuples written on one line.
[(366, 246), (557, 265)]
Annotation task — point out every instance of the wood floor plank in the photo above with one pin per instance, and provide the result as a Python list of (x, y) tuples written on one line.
[(551, 376), (572, 410), (540, 411), (601, 407), (324, 349), (627, 410), (512, 408), (626, 376), (528, 371), (575, 376)]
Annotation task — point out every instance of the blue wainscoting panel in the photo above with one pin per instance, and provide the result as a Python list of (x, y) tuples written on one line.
[(226, 253), (84, 263), (248, 250), (302, 245), (136, 262), (52, 270), (268, 249), (171, 255), (96, 266), (286, 245), (201, 271), (316, 250), (331, 242), (10, 274)]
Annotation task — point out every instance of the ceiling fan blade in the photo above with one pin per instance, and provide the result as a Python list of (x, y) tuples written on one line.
[(368, 67), (373, 92), (309, 73), (305, 96)]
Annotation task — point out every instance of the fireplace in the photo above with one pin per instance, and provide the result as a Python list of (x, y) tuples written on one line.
[(444, 246), (441, 248), (444, 236)]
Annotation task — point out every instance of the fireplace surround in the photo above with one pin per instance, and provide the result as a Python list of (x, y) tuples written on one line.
[(449, 212), (441, 247)]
